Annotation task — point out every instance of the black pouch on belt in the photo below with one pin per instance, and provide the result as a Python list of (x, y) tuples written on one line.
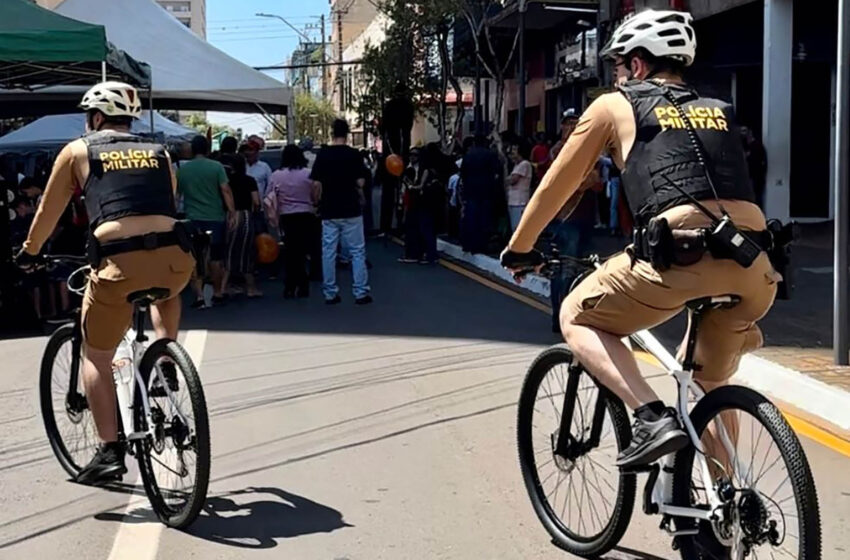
[(780, 255), (93, 251), (185, 230), (689, 246), (660, 247)]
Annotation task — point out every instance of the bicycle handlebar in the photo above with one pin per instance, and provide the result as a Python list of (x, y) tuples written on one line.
[(552, 263)]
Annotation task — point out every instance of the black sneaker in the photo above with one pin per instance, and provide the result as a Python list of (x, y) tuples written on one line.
[(199, 304), (336, 299), (107, 465), (169, 372), (652, 440), (365, 300)]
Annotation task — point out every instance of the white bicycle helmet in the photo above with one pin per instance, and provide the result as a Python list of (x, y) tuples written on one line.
[(113, 99), (663, 33)]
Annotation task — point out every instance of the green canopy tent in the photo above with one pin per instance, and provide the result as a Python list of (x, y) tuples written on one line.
[(40, 48)]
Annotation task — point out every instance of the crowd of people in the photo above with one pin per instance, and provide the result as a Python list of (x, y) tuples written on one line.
[(318, 205), (47, 290), (313, 210)]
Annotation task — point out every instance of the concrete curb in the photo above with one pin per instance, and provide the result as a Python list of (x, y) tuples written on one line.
[(537, 285), (828, 403)]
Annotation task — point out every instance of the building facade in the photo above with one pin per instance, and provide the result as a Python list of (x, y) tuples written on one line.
[(349, 20), (306, 79), (191, 13), (774, 60)]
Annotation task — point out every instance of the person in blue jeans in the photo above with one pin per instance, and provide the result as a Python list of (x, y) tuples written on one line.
[(340, 175), (571, 236)]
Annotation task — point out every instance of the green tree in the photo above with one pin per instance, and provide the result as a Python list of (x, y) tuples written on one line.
[(416, 52), (200, 123), (313, 118)]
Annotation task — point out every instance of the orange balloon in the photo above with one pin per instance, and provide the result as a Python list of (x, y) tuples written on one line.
[(267, 248), (395, 165)]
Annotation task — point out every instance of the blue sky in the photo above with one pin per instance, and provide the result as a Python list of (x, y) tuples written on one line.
[(233, 28)]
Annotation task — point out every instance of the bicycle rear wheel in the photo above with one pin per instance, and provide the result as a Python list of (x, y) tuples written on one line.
[(67, 419), (175, 462), (582, 499), (762, 472)]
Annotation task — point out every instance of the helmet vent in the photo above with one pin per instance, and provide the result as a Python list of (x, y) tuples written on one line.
[(672, 18), (669, 32)]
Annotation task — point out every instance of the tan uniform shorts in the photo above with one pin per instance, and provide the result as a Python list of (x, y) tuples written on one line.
[(106, 312), (622, 298)]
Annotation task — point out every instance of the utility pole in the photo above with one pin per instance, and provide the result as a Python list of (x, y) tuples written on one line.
[(324, 60), (841, 335)]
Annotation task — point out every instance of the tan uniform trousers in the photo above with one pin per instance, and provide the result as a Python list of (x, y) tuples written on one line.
[(623, 297), (106, 312)]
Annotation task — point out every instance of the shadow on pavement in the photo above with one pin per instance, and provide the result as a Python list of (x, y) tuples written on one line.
[(636, 554), (232, 520), (410, 301)]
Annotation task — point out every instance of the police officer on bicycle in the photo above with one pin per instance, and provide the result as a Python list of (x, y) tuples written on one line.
[(135, 243), (698, 230)]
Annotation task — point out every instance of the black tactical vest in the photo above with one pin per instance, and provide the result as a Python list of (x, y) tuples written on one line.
[(662, 149), (128, 176)]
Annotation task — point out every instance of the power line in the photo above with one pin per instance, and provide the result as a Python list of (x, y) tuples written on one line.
[(254, 19), (264, 38), (312, 65)]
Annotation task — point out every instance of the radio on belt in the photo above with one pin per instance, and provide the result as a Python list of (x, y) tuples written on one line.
[(736, 245)]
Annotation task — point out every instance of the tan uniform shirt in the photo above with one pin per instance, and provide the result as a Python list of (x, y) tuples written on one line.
[(608, 124), (71, 170)]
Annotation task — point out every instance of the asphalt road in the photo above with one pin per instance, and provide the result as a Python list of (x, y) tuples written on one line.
[(346, 432)]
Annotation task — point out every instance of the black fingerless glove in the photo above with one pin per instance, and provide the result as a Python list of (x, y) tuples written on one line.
[(512, 259)]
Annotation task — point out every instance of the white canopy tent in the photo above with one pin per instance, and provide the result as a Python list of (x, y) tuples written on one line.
[(52, 132), (187, 72)]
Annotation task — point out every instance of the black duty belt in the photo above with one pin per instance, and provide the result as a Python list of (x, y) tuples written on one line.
[(97, 251), (146, 242), (663, 246)]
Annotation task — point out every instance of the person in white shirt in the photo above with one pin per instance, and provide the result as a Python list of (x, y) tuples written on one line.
[(519, 184), (259, 170)]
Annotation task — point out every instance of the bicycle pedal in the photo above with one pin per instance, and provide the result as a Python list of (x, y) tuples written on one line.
[(682, 532)]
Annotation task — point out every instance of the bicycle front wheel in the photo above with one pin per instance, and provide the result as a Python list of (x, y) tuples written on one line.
[(582, 499), (175, 461), (759, 471), (64, 409)]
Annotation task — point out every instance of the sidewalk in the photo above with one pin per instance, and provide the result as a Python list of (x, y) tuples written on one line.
[(796, 364)]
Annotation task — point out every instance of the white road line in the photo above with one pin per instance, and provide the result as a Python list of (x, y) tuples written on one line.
[(140, 541)]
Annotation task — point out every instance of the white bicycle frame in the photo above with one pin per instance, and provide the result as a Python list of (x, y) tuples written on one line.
[(124, 386), (662, 493), (124, 390)]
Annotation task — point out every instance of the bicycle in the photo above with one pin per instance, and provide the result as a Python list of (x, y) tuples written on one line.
[(154, 423), (716, 502)]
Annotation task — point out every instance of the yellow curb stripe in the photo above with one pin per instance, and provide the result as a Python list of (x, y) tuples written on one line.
[(493, 285), (817, 434), (802, 427), (647, 358)]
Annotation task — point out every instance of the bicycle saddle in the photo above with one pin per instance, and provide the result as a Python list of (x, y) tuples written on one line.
[(148, 296), (714, 302)]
